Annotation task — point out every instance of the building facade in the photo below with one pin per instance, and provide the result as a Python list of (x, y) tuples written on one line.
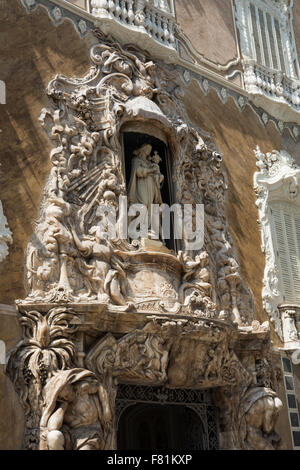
[(127, 342)]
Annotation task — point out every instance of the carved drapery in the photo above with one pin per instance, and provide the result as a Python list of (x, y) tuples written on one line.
[(101, 312)]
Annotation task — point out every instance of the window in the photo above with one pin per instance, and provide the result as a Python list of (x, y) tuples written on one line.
[(267, 39), (285, 222), (277, 184), (266, 34)]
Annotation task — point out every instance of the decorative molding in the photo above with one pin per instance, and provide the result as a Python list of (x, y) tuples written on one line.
[(195, 56), (61, 10), (207, 79), (8, 310), (5, 235), (240, 100), (80, 283), (276, 90), (278, 179), (2, 353)]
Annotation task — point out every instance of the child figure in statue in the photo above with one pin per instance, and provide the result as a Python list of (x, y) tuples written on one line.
[(158, 176)]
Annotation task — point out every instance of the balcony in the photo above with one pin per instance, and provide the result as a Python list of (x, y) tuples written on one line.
[(149, 23), (272, 90)]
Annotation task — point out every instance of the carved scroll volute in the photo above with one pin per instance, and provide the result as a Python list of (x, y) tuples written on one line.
[(70, 262), (68, 259)]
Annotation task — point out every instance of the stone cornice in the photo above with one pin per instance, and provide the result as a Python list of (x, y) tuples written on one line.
[(207, 78)]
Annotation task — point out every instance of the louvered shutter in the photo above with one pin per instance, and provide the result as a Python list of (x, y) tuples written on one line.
[(267, 39), (285, 223)]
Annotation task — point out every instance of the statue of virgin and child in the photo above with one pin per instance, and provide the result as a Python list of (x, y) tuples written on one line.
[(145, 180)]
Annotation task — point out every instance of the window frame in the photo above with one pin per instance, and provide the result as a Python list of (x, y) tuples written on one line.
[(281, 12), (277, 181)]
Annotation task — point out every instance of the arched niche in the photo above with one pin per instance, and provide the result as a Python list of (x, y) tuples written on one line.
[(133, 135)]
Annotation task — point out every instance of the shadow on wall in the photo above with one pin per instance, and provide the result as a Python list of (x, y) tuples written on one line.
[(11, 415), (26, 67), (201, 8)]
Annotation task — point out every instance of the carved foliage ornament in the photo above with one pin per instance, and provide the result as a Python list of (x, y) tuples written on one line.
[(276, 182), (72, 269), (5, 235), (67, 261)]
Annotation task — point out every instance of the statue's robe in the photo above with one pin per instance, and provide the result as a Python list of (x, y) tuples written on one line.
[(142, 187)]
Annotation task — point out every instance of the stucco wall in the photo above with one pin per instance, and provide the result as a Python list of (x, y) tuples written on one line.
[(209, 26), (33, 51), (30, 58)]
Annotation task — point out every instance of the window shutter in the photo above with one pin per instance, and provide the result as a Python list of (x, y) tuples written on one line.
[(279, 46), (282, 254), (286, 238), (272, 42), (297, 237), (267, 38), (255, 34), (264, 33)]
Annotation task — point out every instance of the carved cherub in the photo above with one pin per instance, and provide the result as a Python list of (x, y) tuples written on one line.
[(214, 366), (158, 176), (196, 274), (102, 269)]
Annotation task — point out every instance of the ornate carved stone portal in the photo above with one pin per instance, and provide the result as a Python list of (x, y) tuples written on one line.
[(103, 312)]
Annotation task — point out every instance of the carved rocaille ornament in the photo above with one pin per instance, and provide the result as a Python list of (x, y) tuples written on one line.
[(277, 188), (101, 312), (5, 235)]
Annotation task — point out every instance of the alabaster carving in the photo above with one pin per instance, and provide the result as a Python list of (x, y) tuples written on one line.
[(77, 415), (146, 178), (277, 180), (250, 408), (138, 357), (5, 235), (260, 410), (66, 258), (101, 312)]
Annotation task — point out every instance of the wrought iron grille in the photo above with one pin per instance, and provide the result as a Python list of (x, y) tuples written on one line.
[(199, 401)]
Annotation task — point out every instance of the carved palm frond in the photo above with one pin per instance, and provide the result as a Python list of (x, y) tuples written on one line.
[(46, 348)]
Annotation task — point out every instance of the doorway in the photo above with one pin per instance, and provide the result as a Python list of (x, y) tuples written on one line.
[(160, 427)]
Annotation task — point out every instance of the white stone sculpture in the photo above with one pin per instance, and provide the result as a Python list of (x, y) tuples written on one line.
[(5, 235), (143, 187), (77, 415), (155, 317), (277, 180), (260, 411)]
